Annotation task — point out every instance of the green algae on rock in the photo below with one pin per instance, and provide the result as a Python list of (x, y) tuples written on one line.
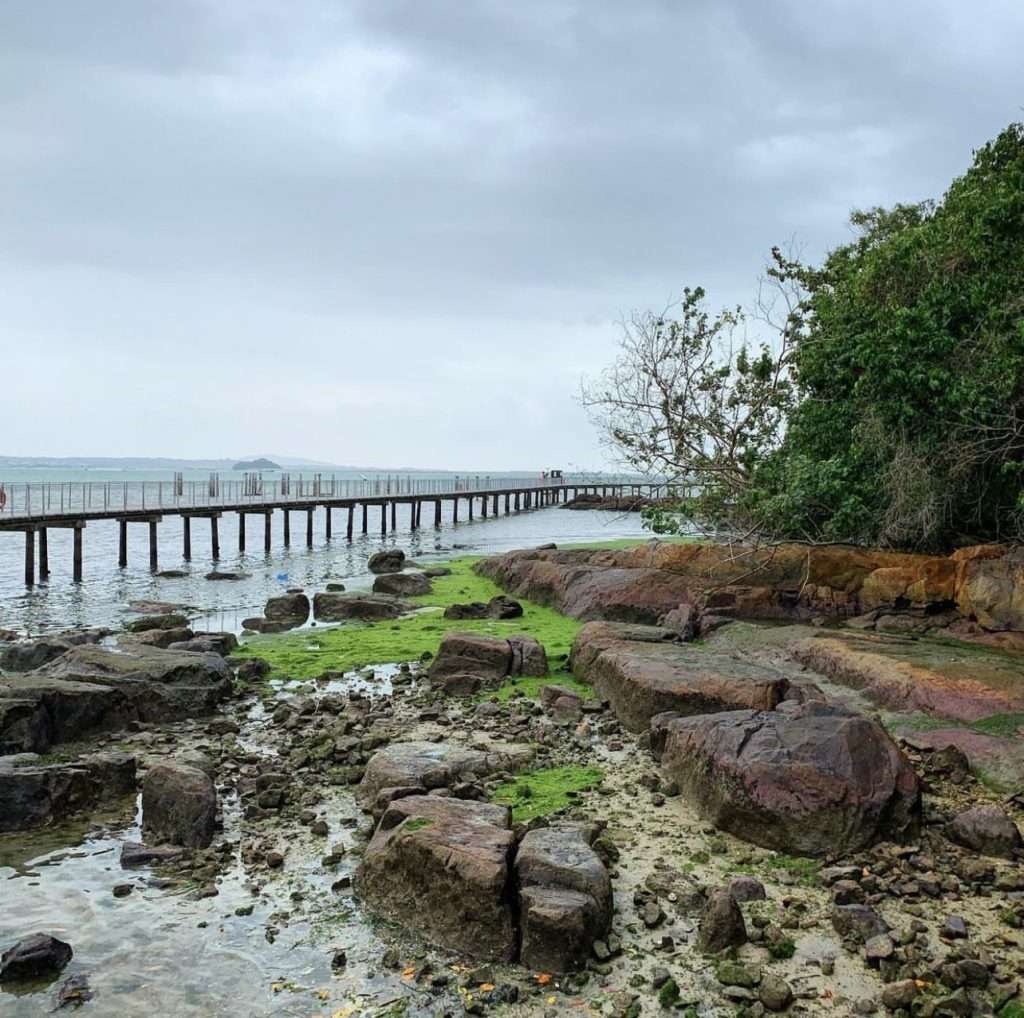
[(309, 653)]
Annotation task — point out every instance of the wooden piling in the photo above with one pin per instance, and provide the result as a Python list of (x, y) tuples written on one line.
[(364, 517), (241, 531), (44, 554), (287, 528), (483, 507), (394, 516), (470, 501), (327, 527), (267, 531), (215, 537), (76, 566), (309, 528), (186, 538), (383, 519), (455, 509), (348, 529), (437, 513), (30, 557), (152, 547)]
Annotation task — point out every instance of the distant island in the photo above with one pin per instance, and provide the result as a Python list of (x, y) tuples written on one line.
[(257, 464)]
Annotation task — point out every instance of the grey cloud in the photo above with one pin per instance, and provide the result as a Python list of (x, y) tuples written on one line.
[(400, 231)]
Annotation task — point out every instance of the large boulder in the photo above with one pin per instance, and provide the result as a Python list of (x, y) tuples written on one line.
[(208, 643), (488, 660), (402, 584), (441, 866), (90, 688), (390, 560), (34, 795), (642, 673), (329, 607), (986, 829), (179, 806), (34, 957), (809, 779), (426, 766), (287, 608), (565, 898)]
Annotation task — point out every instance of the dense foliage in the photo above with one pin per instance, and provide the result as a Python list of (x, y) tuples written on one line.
[(906, 352)]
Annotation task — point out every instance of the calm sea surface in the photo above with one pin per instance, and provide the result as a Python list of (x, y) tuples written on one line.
[(102, 598)]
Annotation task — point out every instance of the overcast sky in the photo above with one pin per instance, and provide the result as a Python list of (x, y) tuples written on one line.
[(397, 233)]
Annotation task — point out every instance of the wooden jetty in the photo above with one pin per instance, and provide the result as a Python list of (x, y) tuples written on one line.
[(40, 511)]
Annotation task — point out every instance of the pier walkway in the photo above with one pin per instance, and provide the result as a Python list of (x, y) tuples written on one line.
[(34, 509)]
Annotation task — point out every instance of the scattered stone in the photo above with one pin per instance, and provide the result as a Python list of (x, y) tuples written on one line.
[(775, 993), (367, 607), (746, 888), (179, 806), (34, 956), (858, 923), (390, 560), (74, 992), (721, 923), (986, 829)]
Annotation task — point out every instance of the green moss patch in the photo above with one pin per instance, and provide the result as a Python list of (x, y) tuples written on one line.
[(541, 792), (1002, 725), (530, 686), (309, 653)]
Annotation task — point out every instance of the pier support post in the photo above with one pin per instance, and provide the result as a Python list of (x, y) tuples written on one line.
[(186, 532), (506, 503), (152, 546), (348, 529), (414, 520), (383, 519), (495, 507), (394, 517), (76, 565), (455, 509), (470, 501), (241, 531), (437, 514), (309, 528), (30, 557), (287, 528), (267, 534), (44, 555), (122, 542), (215, 537), (364, 517), (483, 507), (327, 526)]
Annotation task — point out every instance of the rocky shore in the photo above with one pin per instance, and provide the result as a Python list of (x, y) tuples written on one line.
[(667, 806)]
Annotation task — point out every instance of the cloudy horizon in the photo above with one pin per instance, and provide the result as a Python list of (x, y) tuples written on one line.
[(400, 232)]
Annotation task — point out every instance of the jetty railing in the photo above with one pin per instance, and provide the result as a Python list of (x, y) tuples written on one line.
[(42, 499)]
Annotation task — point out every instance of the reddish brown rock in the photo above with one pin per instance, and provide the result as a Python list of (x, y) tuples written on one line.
[(490, 659), (641, 674), (809, 779), (441, 866), (986, 829)]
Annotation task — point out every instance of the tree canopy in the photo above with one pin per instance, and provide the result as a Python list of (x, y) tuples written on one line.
[(887, 405)]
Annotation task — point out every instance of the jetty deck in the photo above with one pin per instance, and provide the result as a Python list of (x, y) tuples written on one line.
[(34, 509)]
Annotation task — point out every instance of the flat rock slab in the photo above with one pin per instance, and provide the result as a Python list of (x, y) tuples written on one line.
[(441, 866), (809, 779), (410, 584), (90, 688), (35, 796), (432, 765), (565, 897), (329, 607), (641, 674)]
